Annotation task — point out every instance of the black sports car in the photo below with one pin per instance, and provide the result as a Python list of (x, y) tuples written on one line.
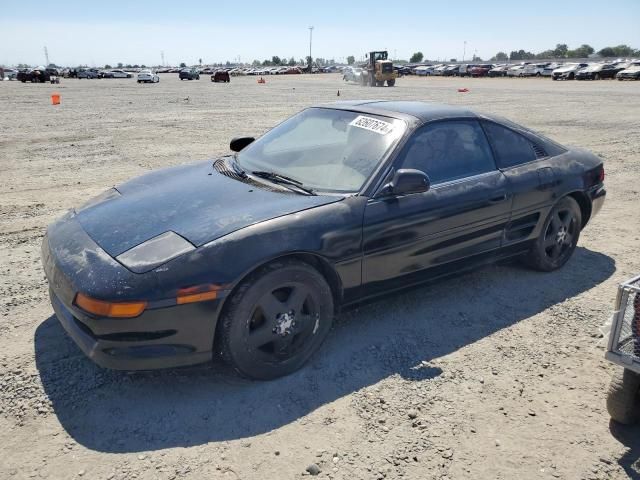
[(250, 256)]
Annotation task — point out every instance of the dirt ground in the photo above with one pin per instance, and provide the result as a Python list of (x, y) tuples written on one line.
[(497, 374)]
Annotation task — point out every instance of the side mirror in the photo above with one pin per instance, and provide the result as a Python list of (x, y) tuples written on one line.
[(406, 181), (239, 143)]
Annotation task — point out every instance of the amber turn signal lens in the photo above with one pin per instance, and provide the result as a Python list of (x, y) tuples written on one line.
[(200, 293), (110, 309)]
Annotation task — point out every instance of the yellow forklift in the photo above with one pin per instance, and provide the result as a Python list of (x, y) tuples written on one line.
[(378, 70)]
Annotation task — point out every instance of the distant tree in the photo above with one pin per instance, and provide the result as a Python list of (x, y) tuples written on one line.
[(351, 60), (183, 65), (619, 51), (292, 62), (583, 51), (119, 64), (107, 66), (275, 60), (476, 58), (500, 57), (200, 61), (561, 50), (143, 66), (520, 55), (416, 57), (546, 54), (136, 66), (255, 63), (453, 60), (309, 60)]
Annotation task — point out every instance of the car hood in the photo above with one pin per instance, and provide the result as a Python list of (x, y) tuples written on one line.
[(194, 201)]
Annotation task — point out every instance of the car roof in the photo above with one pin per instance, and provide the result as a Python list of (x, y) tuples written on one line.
[(422, 111)]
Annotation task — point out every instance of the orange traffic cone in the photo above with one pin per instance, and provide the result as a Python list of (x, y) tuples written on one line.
[(55, 99)]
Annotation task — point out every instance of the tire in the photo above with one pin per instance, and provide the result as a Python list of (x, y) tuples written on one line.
[(558, 238), (572, 76), (622, 398), (276, 320), (554, 78), (391, 83), (596, 76), (139, 81)]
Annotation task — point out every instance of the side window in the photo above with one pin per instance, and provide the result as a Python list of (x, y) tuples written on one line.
[(510, 147), (449, 150)]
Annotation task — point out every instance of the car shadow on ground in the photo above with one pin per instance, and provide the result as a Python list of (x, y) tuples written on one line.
[(398, 335), (629, 436)]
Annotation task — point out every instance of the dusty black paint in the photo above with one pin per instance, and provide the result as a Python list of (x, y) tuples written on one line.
[(373, 244)]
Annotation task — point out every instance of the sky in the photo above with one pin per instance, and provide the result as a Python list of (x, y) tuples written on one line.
[(102, 32)]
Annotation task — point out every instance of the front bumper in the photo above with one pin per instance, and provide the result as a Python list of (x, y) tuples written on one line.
[(166, 336)]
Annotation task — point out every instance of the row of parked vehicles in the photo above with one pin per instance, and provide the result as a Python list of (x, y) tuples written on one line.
[(621, 69)]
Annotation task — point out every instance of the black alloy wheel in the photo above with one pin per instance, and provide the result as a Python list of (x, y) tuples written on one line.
[(559, 237), (275, 320)]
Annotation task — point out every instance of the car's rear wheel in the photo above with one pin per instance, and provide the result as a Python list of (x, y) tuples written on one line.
[(558, 238), (623, 397), (391, 82), (276, 319)]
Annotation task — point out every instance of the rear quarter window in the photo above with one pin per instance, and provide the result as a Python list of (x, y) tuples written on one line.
[(510, 147)]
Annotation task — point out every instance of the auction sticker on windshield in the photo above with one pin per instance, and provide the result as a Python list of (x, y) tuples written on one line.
[(372, 124)]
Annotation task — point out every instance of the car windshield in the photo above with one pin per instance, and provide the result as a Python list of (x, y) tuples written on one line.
[(324, 149)]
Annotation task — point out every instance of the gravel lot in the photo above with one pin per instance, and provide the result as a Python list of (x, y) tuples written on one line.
[(494, 374)]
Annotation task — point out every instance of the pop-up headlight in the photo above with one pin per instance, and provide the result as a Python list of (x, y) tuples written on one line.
[(154, 252)]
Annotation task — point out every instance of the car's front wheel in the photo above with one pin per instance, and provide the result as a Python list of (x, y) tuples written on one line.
[(275, 320), (558, 238)]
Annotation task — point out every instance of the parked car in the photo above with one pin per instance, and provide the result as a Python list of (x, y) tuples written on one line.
[(480, 70), (548, 70), (117, 74), (189, 74), (352, 74), (597, 71), (88, 73), (631, 73), (534, 69), (221, 76), (464, 70), (499, 71), (34, 75), (254, 252), (423, 70), (567, 71), (10, 73), (450, 71), (147, 76), (515, 71)]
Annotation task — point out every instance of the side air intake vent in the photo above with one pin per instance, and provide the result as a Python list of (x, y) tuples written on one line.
[(540, 153)]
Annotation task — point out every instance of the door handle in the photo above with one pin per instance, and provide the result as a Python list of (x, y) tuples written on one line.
[(498, 198)]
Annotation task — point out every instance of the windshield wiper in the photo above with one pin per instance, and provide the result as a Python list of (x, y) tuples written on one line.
[(283, 180)]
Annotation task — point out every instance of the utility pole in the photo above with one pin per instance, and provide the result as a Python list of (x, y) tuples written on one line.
[(46, 57), (464, 50), (162, 56), (310, 43)]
